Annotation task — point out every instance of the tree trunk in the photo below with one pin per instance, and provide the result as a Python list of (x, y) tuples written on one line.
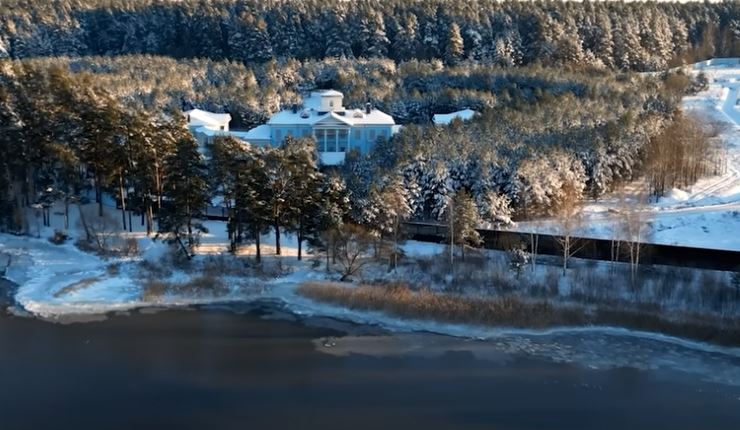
[(158, 185), (99, 194), (123, 201), (66, 213), (395, 244), (183, 247), (191, 242), (257, 243), (535, 242), (149, 218), (277, 238), (328, 248), (84, 222), (300, 239)]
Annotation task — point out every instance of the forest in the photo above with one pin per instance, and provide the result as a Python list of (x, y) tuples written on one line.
[(92, 90), (626, 36)]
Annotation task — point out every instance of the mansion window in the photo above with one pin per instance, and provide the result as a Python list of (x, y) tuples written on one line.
[(332, 140), (342, 140)]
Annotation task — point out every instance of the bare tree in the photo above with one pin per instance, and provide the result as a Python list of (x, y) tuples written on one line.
[(353, 243), (569, 218), (683, 152), (100, 230), (634, 225), (617, 230)]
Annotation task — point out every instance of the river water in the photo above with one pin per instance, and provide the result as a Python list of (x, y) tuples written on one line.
[(260, 366)]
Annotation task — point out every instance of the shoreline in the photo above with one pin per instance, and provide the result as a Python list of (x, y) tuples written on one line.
[(391, 323), (572, 318)]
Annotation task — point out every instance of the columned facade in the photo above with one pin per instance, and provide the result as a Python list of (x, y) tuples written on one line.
[(332, 138)]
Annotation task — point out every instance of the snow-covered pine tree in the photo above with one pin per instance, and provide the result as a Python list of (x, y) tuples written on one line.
[(405, 41), (390, 208), (455, 47), (226, 167), (249, 40), (304, 195), (462, 221), (186, 195)]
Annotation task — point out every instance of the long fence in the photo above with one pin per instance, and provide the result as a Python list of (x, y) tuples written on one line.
[(589, 248)]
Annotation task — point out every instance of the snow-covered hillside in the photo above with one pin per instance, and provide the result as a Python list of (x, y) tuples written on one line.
[(707, 214)]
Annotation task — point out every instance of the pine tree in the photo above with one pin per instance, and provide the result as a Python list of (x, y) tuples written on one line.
[(101, 120), (455, 48), (279, 183), (405, 42), (252, 196), (304, 194), (249, 40), (462, 221), (226, 168), (372, 37), (186, 195), (391, 209), (337, 39)]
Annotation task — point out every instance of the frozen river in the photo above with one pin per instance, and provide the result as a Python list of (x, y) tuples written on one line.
[(260, 366)]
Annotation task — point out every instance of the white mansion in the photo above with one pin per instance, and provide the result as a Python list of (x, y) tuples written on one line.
[(322, 115)]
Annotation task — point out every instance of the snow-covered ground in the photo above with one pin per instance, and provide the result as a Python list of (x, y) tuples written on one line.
[(706, 215), (61, 280)]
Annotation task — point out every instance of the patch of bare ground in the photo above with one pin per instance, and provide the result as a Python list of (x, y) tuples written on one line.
[(401, 301)]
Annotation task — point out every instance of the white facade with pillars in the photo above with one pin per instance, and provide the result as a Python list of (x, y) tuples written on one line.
[(337, 130)]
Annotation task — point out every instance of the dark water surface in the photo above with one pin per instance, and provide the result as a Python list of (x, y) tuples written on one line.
[(230, 367)]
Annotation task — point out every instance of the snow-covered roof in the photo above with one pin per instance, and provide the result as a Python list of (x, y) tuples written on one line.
[(328, 93), (313, 111), (350, 117), (261, 132), (313, 100), (211, 132), (446, 118), (208, 118)]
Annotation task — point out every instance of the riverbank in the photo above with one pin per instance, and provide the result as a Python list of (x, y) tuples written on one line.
[(60, 283), (7, 293), (400, 301)]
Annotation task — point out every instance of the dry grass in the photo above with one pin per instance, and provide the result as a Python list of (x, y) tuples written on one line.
[(201, 286), (401, 301)]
